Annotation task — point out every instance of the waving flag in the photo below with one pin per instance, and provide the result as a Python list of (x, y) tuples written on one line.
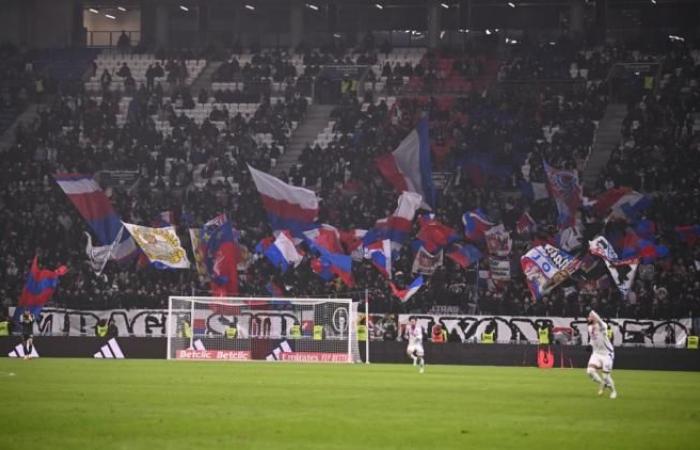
[(327, 237), (621, 202), (622, 271), (476, 224), (163, 219), (329, 264), (690, 234), (220, 253), (161, 246), (288, 207), (283, 253), (408, 168), (545, 267), (526, 224), (566, 190), (635, 247), (352, 242), (396, 227), (380, 254), (92, 203), (498, 241), (39, 288), (464, 255), (405, 294), (435, 236)]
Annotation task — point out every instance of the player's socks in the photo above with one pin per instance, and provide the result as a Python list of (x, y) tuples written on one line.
[(421, 364), (611, 384), (415, 360)]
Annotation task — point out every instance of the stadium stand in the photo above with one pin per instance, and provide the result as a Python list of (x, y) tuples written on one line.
[(190, 152)]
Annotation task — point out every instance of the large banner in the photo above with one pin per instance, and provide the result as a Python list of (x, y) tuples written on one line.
[(250, 322), (145, 322), (511, 329)]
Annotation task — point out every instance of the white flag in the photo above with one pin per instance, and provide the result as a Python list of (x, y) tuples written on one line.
[(161, 246)]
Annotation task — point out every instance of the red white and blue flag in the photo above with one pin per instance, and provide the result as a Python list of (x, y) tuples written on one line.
[(396, 227), (288, 207), (409, 167), (92, 203), (566, 190), (326, 236), (283, 254), (352, 242), (623, 202), (39, 288), (405, 294), (380, 254)]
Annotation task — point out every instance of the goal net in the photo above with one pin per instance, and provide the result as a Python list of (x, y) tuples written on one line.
[(271, 329)]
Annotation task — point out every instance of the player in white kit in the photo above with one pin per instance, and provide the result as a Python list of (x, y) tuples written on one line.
[(414, 334), (602, 356)]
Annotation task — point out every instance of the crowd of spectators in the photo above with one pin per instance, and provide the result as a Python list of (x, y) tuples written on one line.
[(199, 171)]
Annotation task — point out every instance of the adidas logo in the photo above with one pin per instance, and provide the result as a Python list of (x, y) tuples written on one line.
[(110, 350), (18, 352), (277, 351)]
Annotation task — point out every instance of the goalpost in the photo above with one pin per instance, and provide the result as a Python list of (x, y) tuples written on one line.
[(268, 329)]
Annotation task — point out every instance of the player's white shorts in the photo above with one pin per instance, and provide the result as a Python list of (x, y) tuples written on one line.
[(417, 348), (603, 360)]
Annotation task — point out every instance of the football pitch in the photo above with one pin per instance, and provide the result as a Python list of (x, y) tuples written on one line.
[(129, 404)]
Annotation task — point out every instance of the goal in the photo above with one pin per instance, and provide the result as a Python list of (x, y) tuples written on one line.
[(268, 329)]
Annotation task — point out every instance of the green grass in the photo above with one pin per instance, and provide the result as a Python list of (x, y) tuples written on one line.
[(63, 403)]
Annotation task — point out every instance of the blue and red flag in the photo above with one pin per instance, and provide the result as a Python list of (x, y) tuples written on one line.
[(92, 203), (476, 224), (464, 255), (690, 234), (39, 287), (220, 248), (330, 264), (435, 236), (634, 247)]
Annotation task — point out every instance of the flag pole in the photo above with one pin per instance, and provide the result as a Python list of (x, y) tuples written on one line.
[(476, 288), (367, 337), (118, 237)]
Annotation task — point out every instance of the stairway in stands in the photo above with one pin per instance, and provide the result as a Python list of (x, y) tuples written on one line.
[(607, 137), (316, 119), (204, 80)]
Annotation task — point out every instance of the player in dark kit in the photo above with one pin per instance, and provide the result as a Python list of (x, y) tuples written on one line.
[(27, 322)]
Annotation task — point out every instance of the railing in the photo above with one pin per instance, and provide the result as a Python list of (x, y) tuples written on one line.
[(110, 38)]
